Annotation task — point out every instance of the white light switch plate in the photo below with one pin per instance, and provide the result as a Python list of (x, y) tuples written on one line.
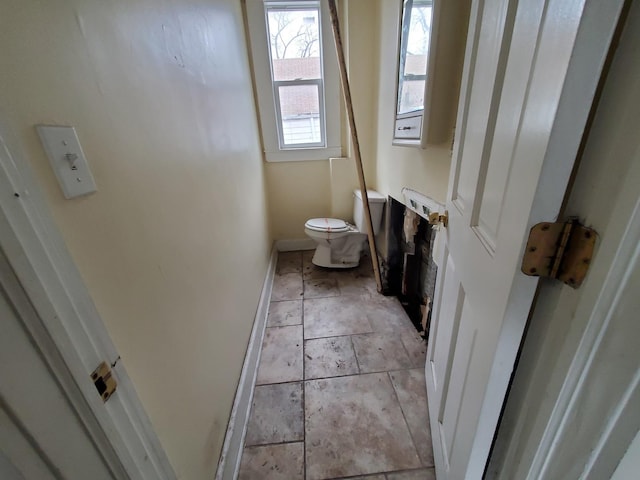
[(67, 160)]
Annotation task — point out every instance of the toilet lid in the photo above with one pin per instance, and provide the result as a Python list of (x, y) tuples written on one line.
[(327, 225)]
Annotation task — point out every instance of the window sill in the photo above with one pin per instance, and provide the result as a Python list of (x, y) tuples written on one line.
[(303, 154)]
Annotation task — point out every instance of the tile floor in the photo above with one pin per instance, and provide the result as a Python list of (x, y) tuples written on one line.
[(340, 391)]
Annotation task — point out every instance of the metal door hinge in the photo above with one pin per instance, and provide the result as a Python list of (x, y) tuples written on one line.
[(559, 250), (104, 381), (436, 218)]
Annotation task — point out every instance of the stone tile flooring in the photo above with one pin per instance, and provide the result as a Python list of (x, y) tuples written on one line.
[(340, 391)]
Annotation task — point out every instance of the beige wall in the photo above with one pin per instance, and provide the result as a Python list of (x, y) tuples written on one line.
[(297, 191), (426, 171), (174, 245)]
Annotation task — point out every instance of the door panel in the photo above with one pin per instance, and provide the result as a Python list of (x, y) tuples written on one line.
[(486, 66), (505, 175), (35, 412), (491, 186)]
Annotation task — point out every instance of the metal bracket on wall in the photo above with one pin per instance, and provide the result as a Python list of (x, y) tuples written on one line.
[(559, 250)]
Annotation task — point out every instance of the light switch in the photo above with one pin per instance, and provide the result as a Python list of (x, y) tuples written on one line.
[(67, 160)]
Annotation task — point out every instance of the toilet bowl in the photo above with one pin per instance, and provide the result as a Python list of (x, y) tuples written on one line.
[(340, 244)]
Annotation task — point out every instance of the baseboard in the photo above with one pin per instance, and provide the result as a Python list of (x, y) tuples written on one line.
[(229, 463), (295, 244)]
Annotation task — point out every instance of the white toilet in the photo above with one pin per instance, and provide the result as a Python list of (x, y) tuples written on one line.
[(340, 243)]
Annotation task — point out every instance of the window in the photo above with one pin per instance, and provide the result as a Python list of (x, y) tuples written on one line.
[(296, 79), (430, 59), (416, 32), (412, 71)]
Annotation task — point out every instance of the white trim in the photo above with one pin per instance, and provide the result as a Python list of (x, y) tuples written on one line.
[(229, 463), (46, 348), (43, 266), (295, 244), (625, 261)]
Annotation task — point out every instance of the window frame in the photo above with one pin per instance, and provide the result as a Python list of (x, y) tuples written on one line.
[(267, 93)]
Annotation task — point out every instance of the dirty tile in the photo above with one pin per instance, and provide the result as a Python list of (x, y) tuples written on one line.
[(416, 347), (356, 284), (287, 286), (309, 271), (307, 255), (289, 262), (276, 414), (273, 462), (386, 314), (354, 426), (329, 357), (365, 266), (281, 357), (320, 287), (334, 316), (287, 312), (422, 474), (412, 394), (378, 352)]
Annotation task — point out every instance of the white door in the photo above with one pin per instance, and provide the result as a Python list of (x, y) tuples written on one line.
[(531, 69), (41, 435)]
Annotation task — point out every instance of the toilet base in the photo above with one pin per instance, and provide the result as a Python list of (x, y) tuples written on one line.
[(322, 258)]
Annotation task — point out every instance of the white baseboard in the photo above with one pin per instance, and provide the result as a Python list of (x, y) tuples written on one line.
[(229, 462), (295, 244)]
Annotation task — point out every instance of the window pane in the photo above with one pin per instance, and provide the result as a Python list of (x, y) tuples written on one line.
[(411, 96), (294, 43), (300, 111), (414, 58)]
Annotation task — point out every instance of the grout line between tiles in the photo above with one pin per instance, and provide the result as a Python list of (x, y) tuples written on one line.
[(287, 442), (355, 355), (339, 335), (395, 392), (409, 356), (304, 389)]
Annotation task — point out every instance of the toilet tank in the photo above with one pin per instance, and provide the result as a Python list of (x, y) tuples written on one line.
[(376, 205)]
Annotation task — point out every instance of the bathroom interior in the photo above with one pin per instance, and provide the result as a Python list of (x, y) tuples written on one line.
[(190, 218), (175, 243)]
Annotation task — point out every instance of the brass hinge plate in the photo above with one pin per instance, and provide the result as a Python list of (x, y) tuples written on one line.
[(104, 381), (559, 250)]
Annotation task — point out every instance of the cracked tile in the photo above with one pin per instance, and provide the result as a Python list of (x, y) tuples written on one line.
[(412, 394), (276, 414), (281, 357)]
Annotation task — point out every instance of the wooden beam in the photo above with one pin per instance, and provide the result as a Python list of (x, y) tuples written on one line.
[(344, 80)]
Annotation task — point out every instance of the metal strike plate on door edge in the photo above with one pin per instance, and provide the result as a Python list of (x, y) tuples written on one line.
[(436, 218), (559, 250), (104, 381)]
